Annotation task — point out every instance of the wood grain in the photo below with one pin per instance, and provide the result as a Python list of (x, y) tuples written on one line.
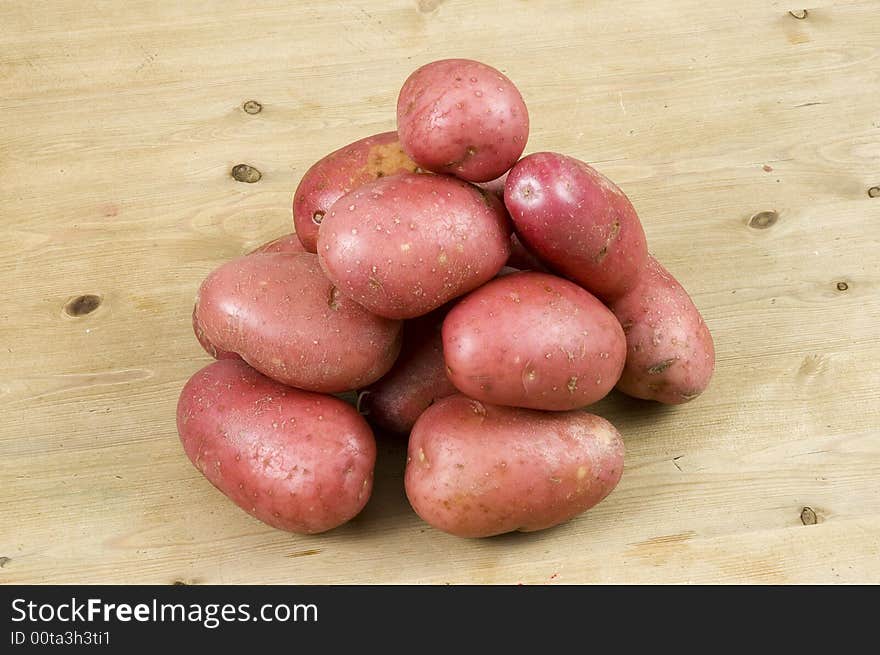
[(121, 124)]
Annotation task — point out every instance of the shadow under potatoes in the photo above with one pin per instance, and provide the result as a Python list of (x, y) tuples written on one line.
[(388, 499), (388, 504)]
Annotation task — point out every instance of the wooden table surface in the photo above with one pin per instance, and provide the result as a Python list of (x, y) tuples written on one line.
[(747, 135)]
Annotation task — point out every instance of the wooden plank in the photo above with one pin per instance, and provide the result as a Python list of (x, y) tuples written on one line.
[(120, 127)]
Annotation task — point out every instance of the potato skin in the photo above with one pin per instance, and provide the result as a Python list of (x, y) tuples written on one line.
[(462, 117), (576, 221), (417, 379), (521, 259), (670, 353), (495, 186), (287, 243), (283, 317), (341, 171), (210, 348), (297, 460), (477, 470), (406, 244), (533, 340)]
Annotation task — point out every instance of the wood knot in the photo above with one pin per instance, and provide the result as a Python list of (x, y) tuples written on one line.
[(808, 516), (246, 173), (763, 220), (82, 305), (874, 192), (842, 286), (814, 364), (799, 14), (428, 6), (252, 107)]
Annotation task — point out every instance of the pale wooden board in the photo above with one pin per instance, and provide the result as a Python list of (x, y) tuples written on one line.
[(120, 122)]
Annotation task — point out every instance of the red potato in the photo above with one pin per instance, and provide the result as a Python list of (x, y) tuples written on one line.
[(495, 186), (670, 353), (286, 243), (477, 470), (283, 317), (577, 221), (521, 259), (297, 460), (340, 172), (533, 340), (417, 379), (210, 348), (406, 244), (463, 118)]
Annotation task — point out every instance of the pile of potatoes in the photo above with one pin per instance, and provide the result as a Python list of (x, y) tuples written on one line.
[(475, 300)]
